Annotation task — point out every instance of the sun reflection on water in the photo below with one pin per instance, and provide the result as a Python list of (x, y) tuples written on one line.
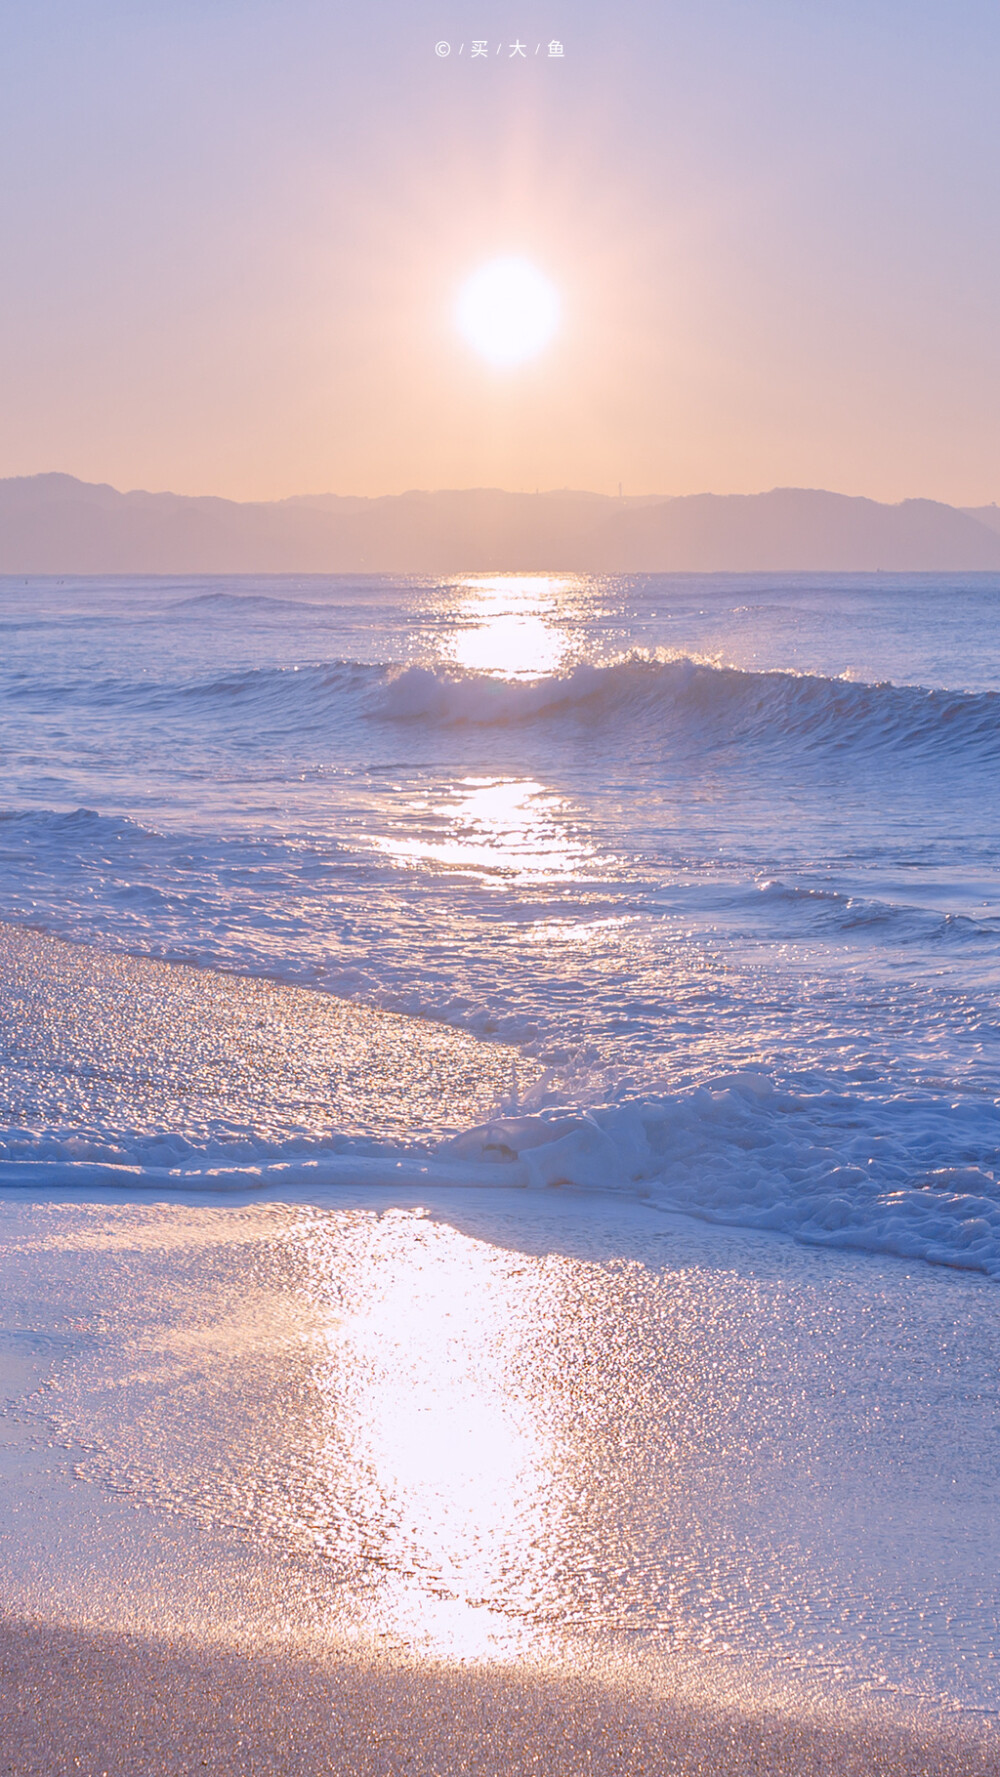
[(492, 1478), (437, 1451), (510, 626), (495, 827), (481, 1446), (448, 1445), (499, 827)]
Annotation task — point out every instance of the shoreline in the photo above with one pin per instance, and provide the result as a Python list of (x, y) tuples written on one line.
[(145, 1061), (367, 1433), (467, 1418)]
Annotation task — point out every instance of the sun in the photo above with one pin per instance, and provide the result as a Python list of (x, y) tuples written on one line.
[(507, 310)]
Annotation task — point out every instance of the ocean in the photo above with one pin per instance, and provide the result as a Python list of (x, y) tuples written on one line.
[(500, 1133), (716, 857)]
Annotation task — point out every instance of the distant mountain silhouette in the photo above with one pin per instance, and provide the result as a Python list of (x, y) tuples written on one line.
[(54, 524), (987, 515)]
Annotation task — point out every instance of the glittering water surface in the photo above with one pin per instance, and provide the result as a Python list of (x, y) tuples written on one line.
[(489, 1435), (688, 890), (584, 814), (649, 832)]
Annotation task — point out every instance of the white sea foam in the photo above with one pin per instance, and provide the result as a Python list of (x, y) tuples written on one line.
[(909, 1175), (827, 1169)]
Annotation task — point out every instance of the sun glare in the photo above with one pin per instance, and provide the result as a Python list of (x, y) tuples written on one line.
[(507, 310)]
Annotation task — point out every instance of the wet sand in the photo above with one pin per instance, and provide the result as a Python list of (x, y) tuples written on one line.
[(305, 1490), (112, 1706), (407, 1411), (120, 1048)]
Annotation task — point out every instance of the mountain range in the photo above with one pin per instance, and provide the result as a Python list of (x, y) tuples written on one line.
[(55, 524)]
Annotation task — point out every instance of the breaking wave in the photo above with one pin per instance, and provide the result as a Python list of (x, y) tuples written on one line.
[(721, 703), (908, 1175), (630, 700), (912, 1175)]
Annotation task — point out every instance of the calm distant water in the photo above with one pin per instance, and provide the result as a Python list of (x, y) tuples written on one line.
[(723, 852)]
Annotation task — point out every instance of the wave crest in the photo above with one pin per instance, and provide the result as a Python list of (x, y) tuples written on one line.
[(705, 702), (632, 700)]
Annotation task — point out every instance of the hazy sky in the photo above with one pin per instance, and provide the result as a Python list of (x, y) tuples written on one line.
[(233, 230)]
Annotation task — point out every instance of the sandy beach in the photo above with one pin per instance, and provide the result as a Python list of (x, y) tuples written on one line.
[(74, 1702), (115, 1045), (305, 1474)]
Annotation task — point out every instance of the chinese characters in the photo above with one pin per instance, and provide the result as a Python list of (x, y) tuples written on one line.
[(481, 49)]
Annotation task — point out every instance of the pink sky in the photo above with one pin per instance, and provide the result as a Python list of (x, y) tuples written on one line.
[(233, 235)]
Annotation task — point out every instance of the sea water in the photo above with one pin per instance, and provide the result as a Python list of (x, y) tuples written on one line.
[(718, 854)]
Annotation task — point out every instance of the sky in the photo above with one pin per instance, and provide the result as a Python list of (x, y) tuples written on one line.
[(233, 232)]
